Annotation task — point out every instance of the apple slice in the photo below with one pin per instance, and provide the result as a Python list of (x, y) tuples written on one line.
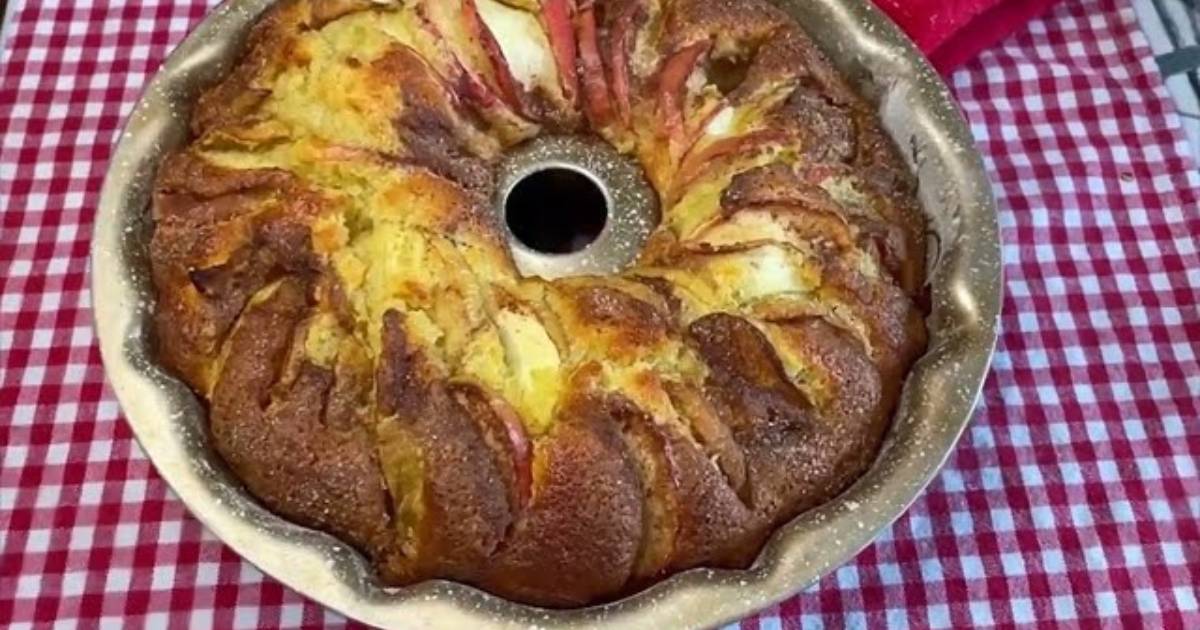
[(712, 434), (272, 434), (747, 371), (713, 524), (468, 53), (795, 226), (505, 433), (895, 326), (557, 18), (620, 45), (772, 203), (452, 507), (522, 450), (833, 365), (697, 163), (792, 455), (672, 83), (885, 222), (777, 185), (579, 538), (430, 124), (597, 101), (534, 53), (500, 70), (651, 448)]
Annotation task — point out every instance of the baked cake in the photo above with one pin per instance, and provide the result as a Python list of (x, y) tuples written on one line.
[(331, 279)]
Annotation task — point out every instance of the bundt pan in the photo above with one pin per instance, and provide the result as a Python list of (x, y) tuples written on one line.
[(963, 275)]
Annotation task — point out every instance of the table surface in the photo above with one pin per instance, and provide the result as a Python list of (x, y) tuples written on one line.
[(1173, 29), (1072, 500)]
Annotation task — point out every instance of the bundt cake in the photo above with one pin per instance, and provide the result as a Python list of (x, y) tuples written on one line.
[(332, 280)]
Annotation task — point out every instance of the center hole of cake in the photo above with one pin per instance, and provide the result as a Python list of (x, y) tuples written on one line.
[(556, 210)]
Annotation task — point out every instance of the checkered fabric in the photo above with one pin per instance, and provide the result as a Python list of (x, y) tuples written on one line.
[(1072, 500)]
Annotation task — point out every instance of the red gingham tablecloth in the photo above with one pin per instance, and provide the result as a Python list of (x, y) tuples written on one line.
[(1072, 500)]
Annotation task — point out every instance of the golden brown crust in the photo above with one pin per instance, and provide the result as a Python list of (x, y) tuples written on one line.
[(745, 374), (220, 236), (330, 278), (464, 512), (578, 540), (430, 128), (240, 93), (791, 453), (733, 24), (274, 436)]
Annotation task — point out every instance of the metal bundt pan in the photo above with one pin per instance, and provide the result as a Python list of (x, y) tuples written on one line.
[(939, 397)]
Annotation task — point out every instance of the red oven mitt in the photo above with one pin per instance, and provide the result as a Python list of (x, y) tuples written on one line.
[(952, 32)]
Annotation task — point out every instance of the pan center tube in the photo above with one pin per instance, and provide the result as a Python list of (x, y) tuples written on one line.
[(573, 205)]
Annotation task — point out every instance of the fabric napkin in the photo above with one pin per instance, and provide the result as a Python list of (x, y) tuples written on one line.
[(952, 32)]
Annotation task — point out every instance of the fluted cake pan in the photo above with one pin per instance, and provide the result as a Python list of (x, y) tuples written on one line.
[(940, 393)]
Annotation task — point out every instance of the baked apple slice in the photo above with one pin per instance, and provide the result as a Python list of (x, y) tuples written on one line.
[(895, 325), (507, 436), (652, 450), (789, 450), (869, 306), (632, 31), (734, 130), (532, 50), (772, 204), (578, 540), (452, 507), (745, 369), (220, 236), (558, 18), (600, 319), (699, 38), (804, 458), (597, 98), (673, 88), (273, 433), (430, 122), (465, 34), (757, 78), (468, 56), (715, 521), (887, 221), (711, 433), (833, 369), (697, 203), (691, 513)]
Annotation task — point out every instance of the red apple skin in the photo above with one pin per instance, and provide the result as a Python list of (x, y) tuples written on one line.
[(474, 91), (671, 84), (503, 430), (620, 40), (465, 83), (557, 17), (578, 539), (510, 91), (596, 99), (696, 164), (522, 449), (647, 440)]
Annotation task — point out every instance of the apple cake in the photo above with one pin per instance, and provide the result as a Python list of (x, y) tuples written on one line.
[(333, 283)]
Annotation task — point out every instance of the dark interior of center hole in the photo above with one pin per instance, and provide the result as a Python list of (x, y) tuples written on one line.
[(556, 211)]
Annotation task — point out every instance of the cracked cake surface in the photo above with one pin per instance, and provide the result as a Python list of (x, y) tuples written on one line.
[(331, 279)]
